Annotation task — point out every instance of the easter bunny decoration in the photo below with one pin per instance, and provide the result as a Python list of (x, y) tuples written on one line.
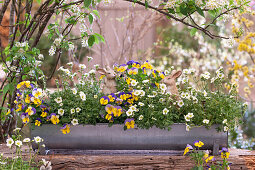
[(110, 83), (170, 82)]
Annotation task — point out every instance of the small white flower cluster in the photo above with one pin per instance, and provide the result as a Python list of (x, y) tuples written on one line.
[(139, 93), (82, 66), (205, 75), (24, 44), (225, 123), (82, 96), (189, 116), (188, 71), (131, 110), (65, 70), (46, 165), (18, 143)]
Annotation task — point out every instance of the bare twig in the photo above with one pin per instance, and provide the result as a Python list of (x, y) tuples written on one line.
[(4, 7)]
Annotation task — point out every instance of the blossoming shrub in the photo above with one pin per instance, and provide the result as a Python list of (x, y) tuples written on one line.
[(142, 99)]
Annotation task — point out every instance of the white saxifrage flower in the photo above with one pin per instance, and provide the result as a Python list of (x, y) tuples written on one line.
[(140, 117), (165, 111), (82, 95), (134, 82), (26, 140), (129, 112), (74, 91), (18, 143), (72, 111), (78, 110), (9, 142), (180, 103), (74, 122), (61, 112), (38, 139), (205, 121), (58, 100)]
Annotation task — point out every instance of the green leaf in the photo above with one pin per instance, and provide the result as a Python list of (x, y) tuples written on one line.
[(24, 77), (193, 31), (183, 9), (91, 40), (100, 37), (212, 12), (199, 10), (90, 19), (6, 88), (96, 13), (146, 4), (87, 3), (39, 1), (170, 10)]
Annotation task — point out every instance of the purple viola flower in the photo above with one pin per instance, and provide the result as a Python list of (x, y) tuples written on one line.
[(153, 84), (123, 65), (39, 119), (137, 63), (128, 120), (23, 115), (48, 117), (190, 147), (52, 114), (113, 95), (24, 106), (64, 126), (119, 101), (224, 149), (30, 95), (32, 86), (121, 93), (130, 62)]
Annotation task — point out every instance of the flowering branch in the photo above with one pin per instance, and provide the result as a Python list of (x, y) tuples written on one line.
[(194, 25)]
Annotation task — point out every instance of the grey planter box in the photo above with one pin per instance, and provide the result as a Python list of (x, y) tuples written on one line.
[(102, 137)]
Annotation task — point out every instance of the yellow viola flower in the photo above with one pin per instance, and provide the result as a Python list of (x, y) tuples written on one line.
[(27, 99), (188, 147), (209, 158), (111, 98), (25, 120), (198, 144), (128, 80), (54, 119), (104, 100), (65, 129), (130, 123), (30, 111), (108, 116), (19, 107), (44, 114), (37, 101), (225, 155), (38, 122), (8, 112), (20, 85)]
